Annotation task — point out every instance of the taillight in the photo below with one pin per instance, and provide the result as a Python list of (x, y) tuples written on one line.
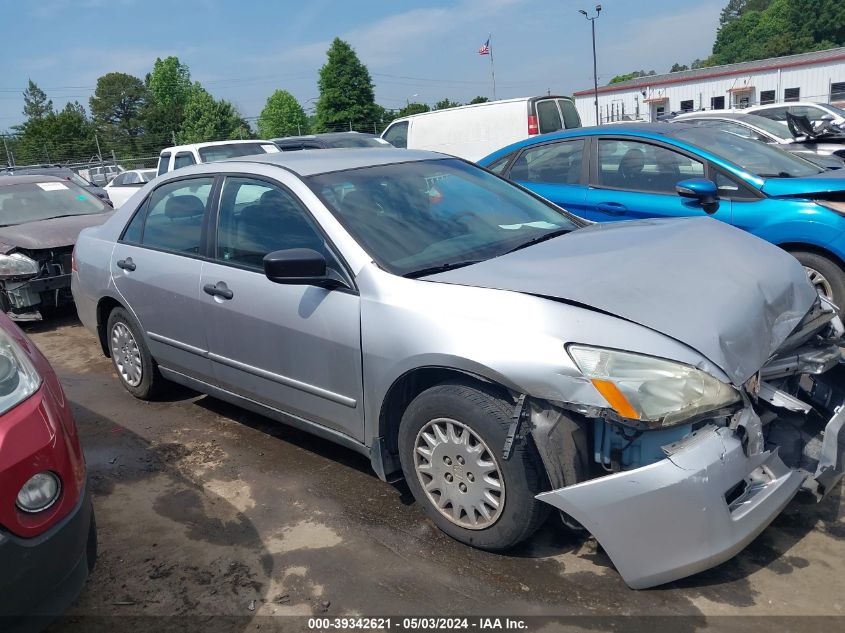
[(533, 128), (73, 260)]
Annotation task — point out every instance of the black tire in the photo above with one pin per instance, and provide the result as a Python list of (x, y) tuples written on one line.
[(829, 269), (489, 417), (152, 383)]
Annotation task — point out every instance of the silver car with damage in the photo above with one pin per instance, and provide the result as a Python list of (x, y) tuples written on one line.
[(666, 385)]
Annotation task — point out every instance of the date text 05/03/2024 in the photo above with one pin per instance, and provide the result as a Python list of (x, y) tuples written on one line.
[(418, 623)]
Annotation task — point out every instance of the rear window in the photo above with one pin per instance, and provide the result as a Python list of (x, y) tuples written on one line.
[(549, 116), (353, 140), (222, 152), (163, 163), (571, 119)]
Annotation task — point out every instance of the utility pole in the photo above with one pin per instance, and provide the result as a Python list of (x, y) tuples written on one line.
[(8, 156), (99, 153), (595, 71)]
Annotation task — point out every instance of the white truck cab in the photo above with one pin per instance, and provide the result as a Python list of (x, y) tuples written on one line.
[(183, 155)]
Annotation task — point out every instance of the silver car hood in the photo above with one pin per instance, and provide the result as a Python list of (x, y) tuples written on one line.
[(732, 297)]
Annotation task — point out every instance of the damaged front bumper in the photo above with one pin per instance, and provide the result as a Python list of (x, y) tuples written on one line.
[(714, 490), (691, 511)]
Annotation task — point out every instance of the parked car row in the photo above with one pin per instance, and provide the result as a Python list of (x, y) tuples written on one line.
[(667, 384), (637, 171)]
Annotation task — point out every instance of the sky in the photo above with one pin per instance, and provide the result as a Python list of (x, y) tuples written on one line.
[(415, 50)]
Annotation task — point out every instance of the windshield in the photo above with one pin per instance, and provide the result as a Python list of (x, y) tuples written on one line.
[(419, 216), (33, 201), (755, 157), (778, 130), (358, 141), (835, 110), (222, 152)]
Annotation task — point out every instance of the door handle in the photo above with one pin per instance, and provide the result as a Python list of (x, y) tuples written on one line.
[(613, 208), (126, 264), (218, 290)]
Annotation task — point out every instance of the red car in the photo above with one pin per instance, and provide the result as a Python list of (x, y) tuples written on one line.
[(48, 537)]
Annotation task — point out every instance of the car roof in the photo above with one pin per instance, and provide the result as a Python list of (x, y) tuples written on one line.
[(644, 130), (787, 104), (328, 136), (23, 180), (322, 161)]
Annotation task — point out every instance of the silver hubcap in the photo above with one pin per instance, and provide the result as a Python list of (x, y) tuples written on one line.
[(126, 355), (820, 283), (459, 474)]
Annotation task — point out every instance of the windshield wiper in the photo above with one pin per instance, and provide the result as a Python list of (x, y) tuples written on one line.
[(540, 238), (442, 268)]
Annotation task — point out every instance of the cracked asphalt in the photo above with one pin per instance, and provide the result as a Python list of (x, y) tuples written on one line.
[(207, 510)]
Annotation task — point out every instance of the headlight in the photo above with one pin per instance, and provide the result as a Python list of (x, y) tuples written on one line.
[(17, 266), (655, 391), (18, 377), (39, 493)]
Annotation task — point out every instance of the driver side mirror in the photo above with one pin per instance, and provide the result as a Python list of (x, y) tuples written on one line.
[(302, 267), (703, 191)]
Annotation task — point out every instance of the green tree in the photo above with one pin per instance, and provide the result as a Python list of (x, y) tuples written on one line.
[(676, 67), (36, 105), (206, 119), (346, 98), (445, 104), (67, 135), (169, 88), (479, 99), (412, 108), (116, 108), (282, 116), (759, 29), (632, 75)]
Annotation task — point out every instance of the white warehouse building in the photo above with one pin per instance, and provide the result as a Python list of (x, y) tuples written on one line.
[(818, 76)]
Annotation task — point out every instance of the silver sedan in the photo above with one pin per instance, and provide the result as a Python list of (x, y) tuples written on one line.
[(666, 385)]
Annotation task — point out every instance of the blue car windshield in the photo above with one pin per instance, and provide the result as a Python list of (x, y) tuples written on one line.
[(754, 157), (417, 217)]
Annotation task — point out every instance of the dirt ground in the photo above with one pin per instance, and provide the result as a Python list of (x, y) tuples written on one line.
[(206, 510)]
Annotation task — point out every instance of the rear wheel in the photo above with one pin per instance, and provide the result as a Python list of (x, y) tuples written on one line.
[(450, 445), (826, 275), (135, 366)]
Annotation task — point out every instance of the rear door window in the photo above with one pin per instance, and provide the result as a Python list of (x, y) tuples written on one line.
[(571, 118), (549, 116), (173, 217), (776, 114), (397, 135), (554, 163)]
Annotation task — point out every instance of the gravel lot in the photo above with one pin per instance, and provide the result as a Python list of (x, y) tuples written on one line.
[(208, 510)]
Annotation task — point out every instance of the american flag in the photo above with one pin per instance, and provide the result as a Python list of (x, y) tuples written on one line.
[(485, 50)]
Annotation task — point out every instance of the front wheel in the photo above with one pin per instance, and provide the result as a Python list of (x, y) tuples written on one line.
[(450, 445), (826, 275)]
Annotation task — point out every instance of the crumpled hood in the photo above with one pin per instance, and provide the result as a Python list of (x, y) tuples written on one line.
[(51, 233), (825, 182), (727, 294)]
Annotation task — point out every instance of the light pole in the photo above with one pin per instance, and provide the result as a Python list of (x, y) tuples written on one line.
[(595, 72), (408, 100)]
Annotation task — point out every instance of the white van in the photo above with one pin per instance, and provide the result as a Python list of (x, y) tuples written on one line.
[(183, 155), (474, 131)]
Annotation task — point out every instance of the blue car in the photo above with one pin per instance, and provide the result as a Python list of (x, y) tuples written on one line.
[(640, 170)]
